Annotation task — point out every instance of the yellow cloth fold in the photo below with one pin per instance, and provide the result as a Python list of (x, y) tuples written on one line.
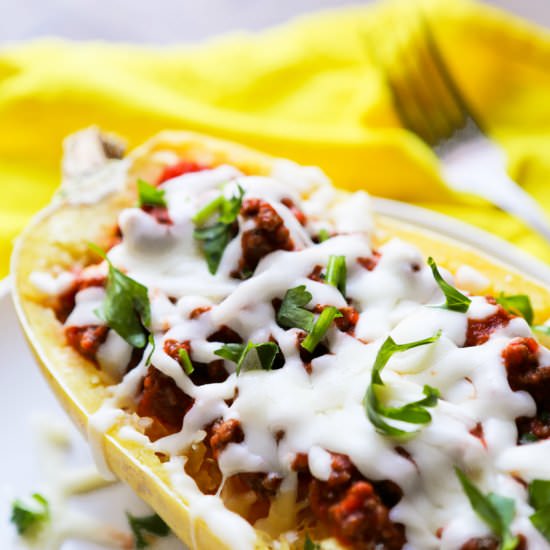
[(308, 91)]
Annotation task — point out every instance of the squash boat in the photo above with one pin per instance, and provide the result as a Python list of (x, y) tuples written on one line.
[(269, 368)]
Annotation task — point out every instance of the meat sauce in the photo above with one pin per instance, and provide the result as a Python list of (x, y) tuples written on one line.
[(268, 234), (355, 511), (526, 374)]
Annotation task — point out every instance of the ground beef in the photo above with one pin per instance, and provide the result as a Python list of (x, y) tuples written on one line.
[(172, 348), (316, 274), (298, 214), (163, 401), (533, 429), (347, 322), (371, 262), (182, 167), (160, 213), (225, 335), (64, 303), (349, 319), (480, 330), (481, 543), (86, 340), (203, 373), (198, 311), (477, 431), (224, 432), (524, 372), (307, 356), (268, 235), (354, 510), (490, 543)]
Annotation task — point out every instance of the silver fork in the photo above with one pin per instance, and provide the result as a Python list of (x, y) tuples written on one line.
[(429, 103)]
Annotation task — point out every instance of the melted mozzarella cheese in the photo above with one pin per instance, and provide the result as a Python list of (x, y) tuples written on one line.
[(322, 411)]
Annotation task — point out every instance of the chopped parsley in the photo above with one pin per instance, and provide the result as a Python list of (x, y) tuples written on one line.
[(185, 361), (539, 499), (31, 515), (147, 525), (292, 314), (149, 195), (250, 356), (495, 510), (310, 545), (215, 238), (336, 273), (126, 308), (151, 341), (412, 413), (454, 300), (517, 304), (324, 235), (320, 328)]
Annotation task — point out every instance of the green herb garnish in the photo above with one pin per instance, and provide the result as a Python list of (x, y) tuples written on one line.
[(412, 413), (292, 314), (495, 510), (320, 328), (454, 300), (149, 195), (141, 526), (310, 545), (151, 341), (539, 499), (250, 356), (215, 238), (323, 236), (30, 516), (185, 361), (337, 273), (126, 308), (517, 304)]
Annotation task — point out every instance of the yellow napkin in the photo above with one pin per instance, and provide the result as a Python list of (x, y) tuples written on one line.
[(308, 91)]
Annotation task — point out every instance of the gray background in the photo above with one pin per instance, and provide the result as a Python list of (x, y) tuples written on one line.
[(171, 21)]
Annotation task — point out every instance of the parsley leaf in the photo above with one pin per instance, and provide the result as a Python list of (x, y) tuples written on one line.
[(216, 237), (250, 356), (185, 361), (324, 235), (539, 499), (292, 313), (310, 545), (126, 308), (320, 328), (454, 300), (336, 273), (151, 341), (152, 525), (496, 511), (149, 195), (517, 304), (412, 413), (214, 240), (29, 517)]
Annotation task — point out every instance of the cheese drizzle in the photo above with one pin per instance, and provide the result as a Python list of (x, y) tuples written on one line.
[(321, 411)]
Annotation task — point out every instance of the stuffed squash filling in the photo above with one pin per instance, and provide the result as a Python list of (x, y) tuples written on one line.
[(318, 386)]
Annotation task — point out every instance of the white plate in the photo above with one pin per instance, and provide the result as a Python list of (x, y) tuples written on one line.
[(24, 392), (25, 399)]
